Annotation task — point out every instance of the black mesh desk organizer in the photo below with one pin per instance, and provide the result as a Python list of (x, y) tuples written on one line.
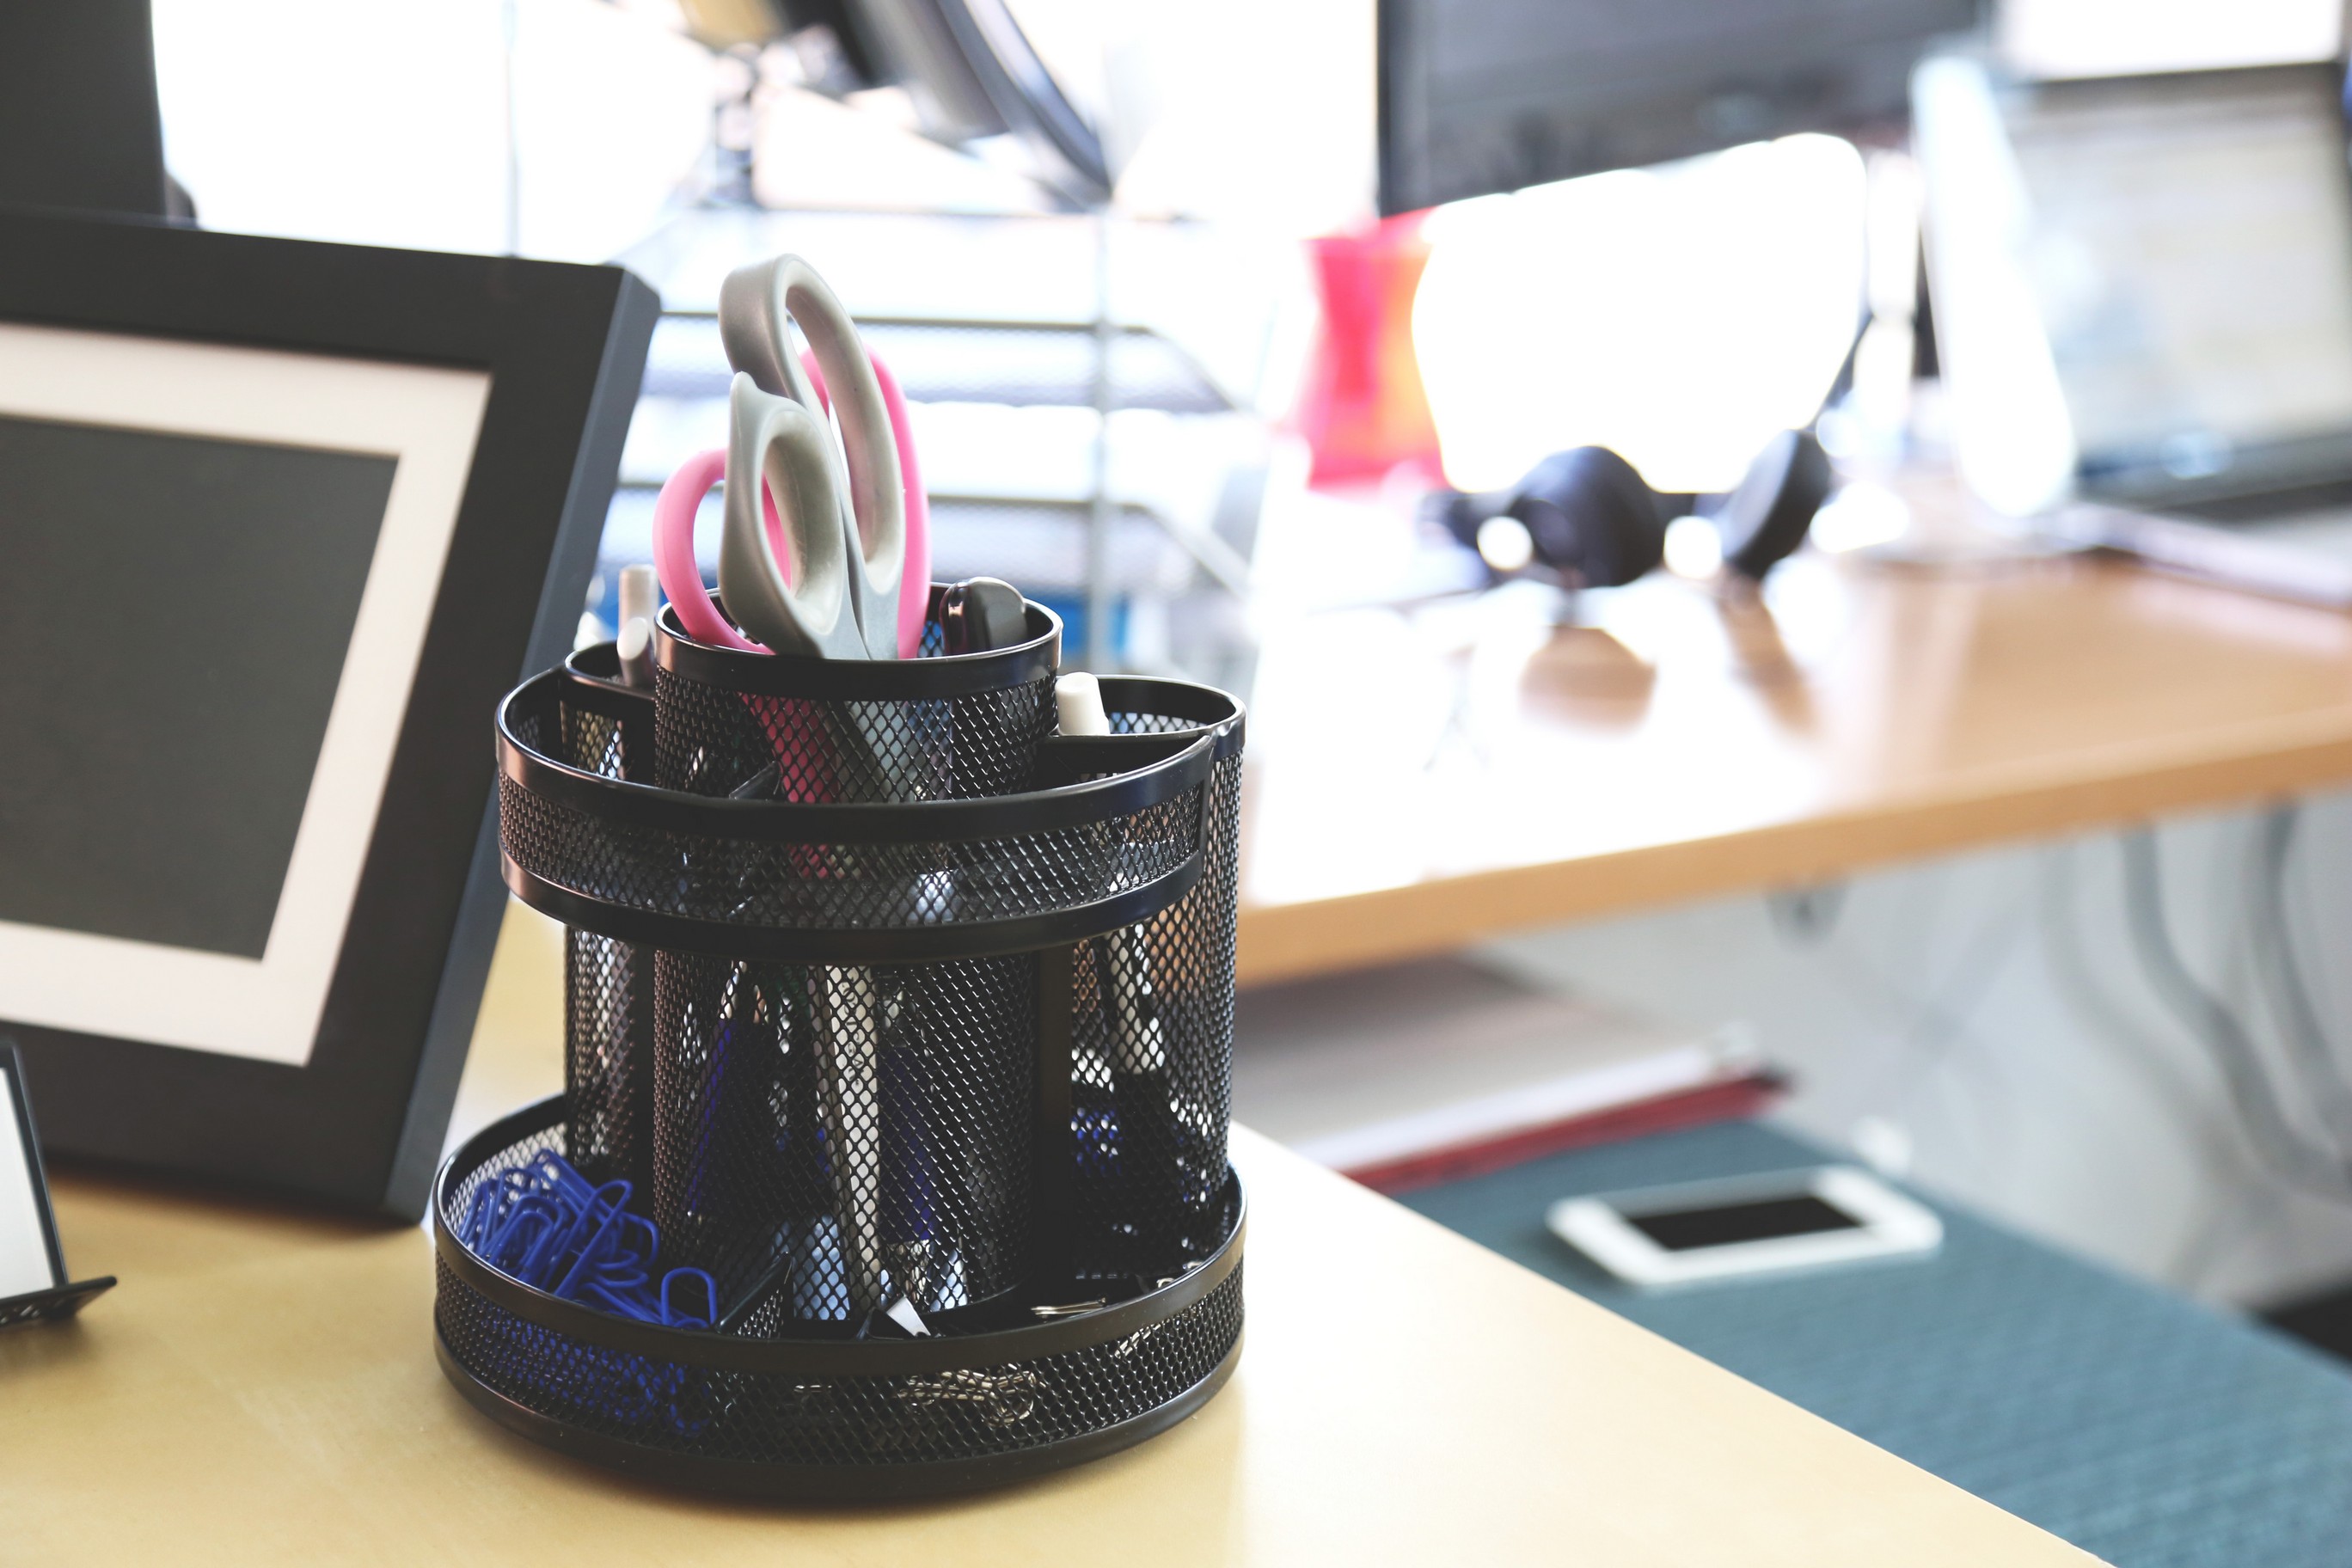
[(881, 990)]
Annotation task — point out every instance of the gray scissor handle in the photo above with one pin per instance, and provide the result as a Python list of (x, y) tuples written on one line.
[(756, 305), (811, 609)]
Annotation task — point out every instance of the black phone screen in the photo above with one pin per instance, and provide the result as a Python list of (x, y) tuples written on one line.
[(1724, 1224)]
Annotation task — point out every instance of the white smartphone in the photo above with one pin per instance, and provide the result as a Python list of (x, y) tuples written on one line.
[(1694, 1232)]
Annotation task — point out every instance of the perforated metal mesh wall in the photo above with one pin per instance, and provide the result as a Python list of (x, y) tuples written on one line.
[(607, 1057), (1151, 1062), (710, 741), (825, 1139), (607, 1028), (770, 1418), (845, 887), (830, 1138), (775, 1418)]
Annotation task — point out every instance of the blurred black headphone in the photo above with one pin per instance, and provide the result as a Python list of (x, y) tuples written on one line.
[(1587, 517)]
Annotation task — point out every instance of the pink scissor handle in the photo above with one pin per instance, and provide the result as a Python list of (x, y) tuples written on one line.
[(681, 499), (681, 579)]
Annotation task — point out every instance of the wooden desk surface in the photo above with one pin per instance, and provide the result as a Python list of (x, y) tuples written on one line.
[(1421, 780), (261, 1389)]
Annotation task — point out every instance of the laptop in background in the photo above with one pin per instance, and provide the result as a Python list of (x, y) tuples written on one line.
[(2183, 243)]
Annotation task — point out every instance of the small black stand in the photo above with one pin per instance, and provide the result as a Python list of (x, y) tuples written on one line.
[(62, 1299), (54, 1305)]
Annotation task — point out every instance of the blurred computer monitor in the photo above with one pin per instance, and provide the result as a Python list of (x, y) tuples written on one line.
[(2144, 290), (2171, 254), (968, 65), (2191, 255), (78, 124), (1478, 95)]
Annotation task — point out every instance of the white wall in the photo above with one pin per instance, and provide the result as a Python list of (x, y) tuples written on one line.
[(1989, 1012), (387, 121)]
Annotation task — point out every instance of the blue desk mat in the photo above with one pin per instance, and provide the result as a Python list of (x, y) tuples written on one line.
[(2140, 1426)]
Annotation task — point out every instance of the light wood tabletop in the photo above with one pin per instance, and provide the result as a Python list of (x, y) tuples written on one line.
[(261, 1389), (1422, 778)]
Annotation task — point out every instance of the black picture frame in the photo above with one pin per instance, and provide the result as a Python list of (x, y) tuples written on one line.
[(359, 1125)]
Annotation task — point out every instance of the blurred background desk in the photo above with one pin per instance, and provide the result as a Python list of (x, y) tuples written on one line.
[(1428, 777)]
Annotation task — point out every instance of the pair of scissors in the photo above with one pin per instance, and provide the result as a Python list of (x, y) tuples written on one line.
[(813, 548)]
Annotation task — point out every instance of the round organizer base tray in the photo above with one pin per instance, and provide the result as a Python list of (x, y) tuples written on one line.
[(491, 1329), (827, 1483)]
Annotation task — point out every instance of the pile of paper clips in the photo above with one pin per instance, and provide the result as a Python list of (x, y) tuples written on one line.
[(546, 1224)]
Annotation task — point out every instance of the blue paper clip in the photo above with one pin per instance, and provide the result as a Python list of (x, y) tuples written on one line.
[(544, 1224)]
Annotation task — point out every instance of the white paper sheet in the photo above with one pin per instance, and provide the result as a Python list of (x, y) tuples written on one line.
[(24, 1254)]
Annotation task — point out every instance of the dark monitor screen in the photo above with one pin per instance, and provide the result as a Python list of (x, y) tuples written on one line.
[(193, 598), (78, 123), (1480, 96)]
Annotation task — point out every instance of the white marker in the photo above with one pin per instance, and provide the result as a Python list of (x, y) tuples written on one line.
[(636, 648), (640, 599), (1077, 698)]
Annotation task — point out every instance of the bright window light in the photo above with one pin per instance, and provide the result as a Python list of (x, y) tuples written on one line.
[(1505, 544), (2119, 37), (387, 121), (2012, 435), (1681, 315), (1858, 517), (1694, 548)]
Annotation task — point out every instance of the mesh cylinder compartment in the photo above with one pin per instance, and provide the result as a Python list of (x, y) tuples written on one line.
[(607, 1009), (789, 1097), (1152, 1039), (884, 995), (749, 725)]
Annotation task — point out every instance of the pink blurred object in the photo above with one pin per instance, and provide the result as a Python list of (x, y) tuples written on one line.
[(1363, 411)]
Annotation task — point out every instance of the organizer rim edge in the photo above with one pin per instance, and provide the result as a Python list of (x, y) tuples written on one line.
[(851, 1483)]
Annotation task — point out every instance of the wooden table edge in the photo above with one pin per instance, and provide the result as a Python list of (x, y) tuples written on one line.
[(2259, 760)]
